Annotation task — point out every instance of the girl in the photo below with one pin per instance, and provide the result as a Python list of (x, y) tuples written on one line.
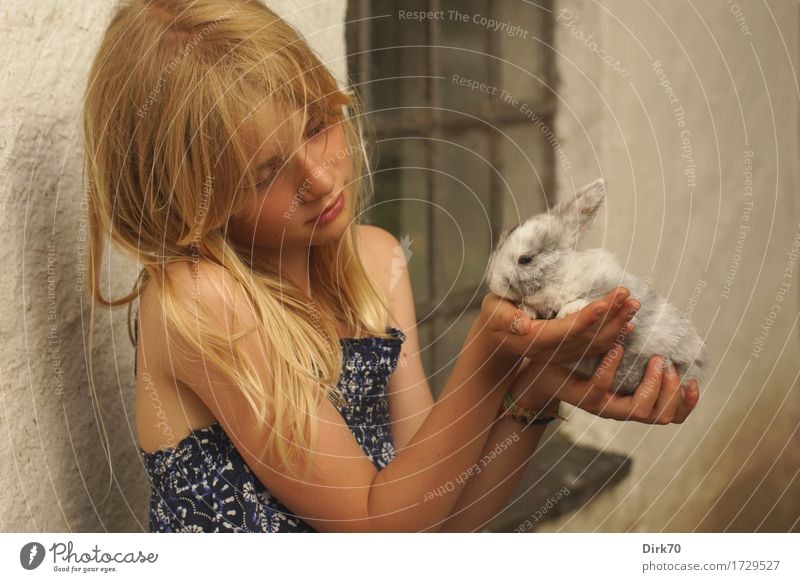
[(278, 377)]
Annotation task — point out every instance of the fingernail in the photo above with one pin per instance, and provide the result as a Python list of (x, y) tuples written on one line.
[(600, 311), (671, 371), (517, 322)]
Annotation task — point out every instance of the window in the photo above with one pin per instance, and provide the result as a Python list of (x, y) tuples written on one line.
[(459, 101)]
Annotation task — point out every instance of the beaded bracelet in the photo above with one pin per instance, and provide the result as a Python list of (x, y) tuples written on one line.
[(525, 415)]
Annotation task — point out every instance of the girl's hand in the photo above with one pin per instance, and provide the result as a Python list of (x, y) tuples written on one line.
[(657, 400), (592, 330)]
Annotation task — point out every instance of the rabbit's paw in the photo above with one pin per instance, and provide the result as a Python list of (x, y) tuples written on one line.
[(572, 307)]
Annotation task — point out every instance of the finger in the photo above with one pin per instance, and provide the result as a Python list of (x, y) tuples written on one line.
[(571, 338), (533, 338), (590, 318), (615, 299), (504, 317), (604, 322), (556, 332), (574, 333), (646, 394), (517, 322), (600, 310), (596, 313), (604, 373), (602, 379), (624, 315), (689, 399), (668, 398), (612, 333), (615, 328)]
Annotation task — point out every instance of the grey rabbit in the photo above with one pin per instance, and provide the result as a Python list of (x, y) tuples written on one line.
[(538, 265)]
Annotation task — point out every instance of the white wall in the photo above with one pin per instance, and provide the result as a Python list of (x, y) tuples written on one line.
[(733, 67), (54, 475)]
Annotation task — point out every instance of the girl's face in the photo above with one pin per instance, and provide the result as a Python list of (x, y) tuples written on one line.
[(293, 194)]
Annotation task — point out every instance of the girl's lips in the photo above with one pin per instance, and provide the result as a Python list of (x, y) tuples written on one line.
[(331, 212)]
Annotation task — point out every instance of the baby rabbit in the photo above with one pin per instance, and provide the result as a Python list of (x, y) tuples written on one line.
[(537, 264)]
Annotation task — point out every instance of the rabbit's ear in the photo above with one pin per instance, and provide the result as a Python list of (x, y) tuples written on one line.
[(578, 213), (505, 233)]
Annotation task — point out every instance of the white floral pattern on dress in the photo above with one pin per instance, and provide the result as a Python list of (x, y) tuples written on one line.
[(204, 484)]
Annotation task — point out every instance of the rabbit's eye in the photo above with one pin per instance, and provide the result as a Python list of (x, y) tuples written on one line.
[(525, 259)]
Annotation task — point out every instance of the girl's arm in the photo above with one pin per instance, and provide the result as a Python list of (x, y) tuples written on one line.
[(418, 489), (343, 491), (657, 400), (488, 487), (509, 448), (495, 476)]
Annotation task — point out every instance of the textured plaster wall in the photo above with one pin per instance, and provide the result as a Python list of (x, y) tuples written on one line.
[(721, 253), (54, 474)]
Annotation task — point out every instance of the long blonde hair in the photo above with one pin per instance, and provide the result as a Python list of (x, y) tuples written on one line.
[(171, 85)]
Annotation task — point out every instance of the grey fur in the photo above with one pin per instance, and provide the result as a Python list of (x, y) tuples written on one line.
[(559, 279)]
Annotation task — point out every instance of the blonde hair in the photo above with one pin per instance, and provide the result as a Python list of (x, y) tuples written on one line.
[(169, 89)]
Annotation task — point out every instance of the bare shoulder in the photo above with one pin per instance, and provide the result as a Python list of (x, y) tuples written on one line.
[(166, 408), (371, 232), (201, 280), (375, 239), (380, 251)]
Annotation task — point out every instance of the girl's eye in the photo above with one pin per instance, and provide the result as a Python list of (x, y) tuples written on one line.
[(264, 184), (525, 259), (274, 169), (315, 129)]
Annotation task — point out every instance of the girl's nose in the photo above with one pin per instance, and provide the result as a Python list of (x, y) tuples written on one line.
[(317, 173)]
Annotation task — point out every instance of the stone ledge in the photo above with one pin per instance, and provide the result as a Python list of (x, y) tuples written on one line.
[(560, 478)]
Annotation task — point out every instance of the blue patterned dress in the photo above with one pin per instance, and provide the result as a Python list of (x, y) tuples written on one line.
[(204, 484)]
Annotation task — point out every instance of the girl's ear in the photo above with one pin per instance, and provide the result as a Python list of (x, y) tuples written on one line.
[(579, 212)]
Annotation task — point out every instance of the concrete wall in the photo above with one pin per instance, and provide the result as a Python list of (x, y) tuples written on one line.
[(682, 210), (55, 476)]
